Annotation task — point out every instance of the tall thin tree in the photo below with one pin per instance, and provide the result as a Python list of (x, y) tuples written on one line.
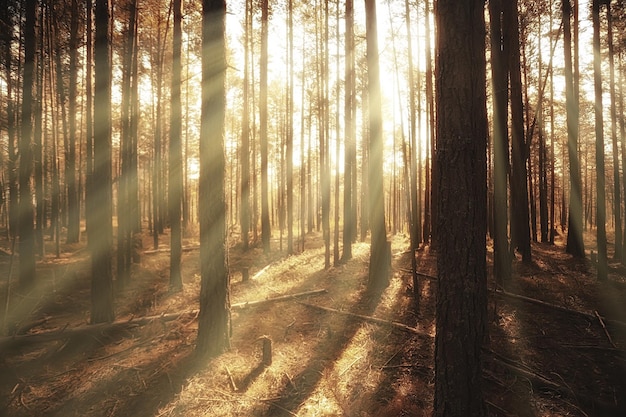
[(25, 225), (73, 202), (617, 197), (520, 227), (265, 213), (599, 128), (175, 189), (575, 244), (245, 137), (349, 139)]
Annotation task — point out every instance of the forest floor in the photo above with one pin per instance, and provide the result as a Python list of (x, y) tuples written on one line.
[(539, 360)]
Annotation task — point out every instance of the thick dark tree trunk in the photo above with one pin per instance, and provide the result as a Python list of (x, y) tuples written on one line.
[(214, 318), (461, 208)]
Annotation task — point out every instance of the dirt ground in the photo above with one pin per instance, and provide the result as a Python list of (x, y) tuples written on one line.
[(538, 360)]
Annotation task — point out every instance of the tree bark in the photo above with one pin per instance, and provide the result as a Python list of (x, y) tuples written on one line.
[(349, 222), (265, 214), (175, 189), (380, 255), (599, 130), (575, 245), (499, 70), (214, 318), (461, 208), (101, 233), (25, 225), (520, 227), (617, 197), (73, 202)]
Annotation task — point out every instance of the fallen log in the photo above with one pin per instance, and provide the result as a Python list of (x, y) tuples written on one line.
[(90, 329), (278, 299), (591, 317), (105, 328), (166, 250), (419, 274), (370, 319), (542, 382)]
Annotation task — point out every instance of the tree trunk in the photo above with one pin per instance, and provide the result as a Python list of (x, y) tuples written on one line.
[(461, 209), (414, 211), (349, 140), (25, 225), (575, 245), (7, 31), (101, 233), (38, 151), (617, 198), (175, 189), (499, 69), (431, 194), (89, 118), (520, 228), (380, 255), (245, 139), (214, 318), (73, 202), (599, 127), (265, 214)]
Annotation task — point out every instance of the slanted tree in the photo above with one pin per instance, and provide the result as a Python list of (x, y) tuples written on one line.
[(213, 321), (461, 208), (100, 234), (380, 256)]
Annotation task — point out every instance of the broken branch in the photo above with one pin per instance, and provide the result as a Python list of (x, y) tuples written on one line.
[(370, 319)]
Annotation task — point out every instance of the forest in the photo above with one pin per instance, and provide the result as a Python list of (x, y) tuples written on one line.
[(322, 208)]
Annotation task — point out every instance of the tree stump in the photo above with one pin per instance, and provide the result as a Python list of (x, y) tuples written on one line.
[(267, 350)]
